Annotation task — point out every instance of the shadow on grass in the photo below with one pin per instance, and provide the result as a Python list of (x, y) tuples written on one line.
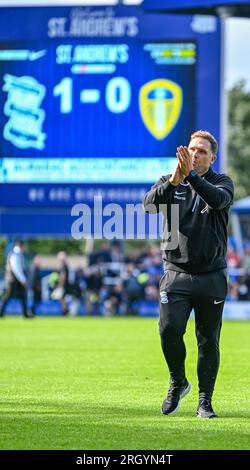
[(60, 408), (54, 425)]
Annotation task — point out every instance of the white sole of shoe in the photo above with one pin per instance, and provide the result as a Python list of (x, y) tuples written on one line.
[(206, 417), (184, 393)]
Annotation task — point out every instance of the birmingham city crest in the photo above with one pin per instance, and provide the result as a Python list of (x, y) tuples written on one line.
[(160, 104)]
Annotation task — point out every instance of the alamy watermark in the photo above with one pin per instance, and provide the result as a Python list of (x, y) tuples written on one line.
[(130, 222)]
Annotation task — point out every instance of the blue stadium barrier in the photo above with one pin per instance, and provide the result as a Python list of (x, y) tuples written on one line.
[(147, 308), (49, 308), (143, 308)]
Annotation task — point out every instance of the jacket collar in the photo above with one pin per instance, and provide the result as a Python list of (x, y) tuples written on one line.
[(210, 172)]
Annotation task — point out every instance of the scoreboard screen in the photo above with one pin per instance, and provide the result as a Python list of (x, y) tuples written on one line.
[(92, 112), (100, 98)]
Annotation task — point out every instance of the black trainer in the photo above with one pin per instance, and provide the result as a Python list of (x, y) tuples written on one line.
[(205, 409), (173, 398)]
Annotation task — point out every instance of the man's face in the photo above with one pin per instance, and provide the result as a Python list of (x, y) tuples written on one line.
[(201, 154)]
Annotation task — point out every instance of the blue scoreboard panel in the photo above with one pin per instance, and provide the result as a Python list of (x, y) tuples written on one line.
[(97, 100), (198, 5)]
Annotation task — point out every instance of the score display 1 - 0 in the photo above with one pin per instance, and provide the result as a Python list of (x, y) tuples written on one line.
[(117, 95)]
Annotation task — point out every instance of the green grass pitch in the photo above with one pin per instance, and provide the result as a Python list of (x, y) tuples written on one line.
[(98, 383)]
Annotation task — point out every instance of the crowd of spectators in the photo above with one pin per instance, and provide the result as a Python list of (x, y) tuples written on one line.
[(113, 282), (239, 274)]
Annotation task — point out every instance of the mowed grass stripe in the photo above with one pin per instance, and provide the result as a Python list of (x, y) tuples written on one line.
[(98, 383)]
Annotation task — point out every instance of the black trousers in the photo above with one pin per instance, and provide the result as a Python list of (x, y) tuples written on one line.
[(14, 290), (179, 294), (37, 297)]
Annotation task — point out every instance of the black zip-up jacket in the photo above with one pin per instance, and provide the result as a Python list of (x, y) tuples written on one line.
[(204, 203)]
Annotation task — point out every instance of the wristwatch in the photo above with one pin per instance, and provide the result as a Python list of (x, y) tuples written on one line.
[(191, 175)]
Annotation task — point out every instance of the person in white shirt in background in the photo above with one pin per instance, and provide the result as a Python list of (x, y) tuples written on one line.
[(15, 279)]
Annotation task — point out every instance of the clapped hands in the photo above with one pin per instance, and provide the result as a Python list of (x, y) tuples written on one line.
[(183, 167), (185, 160)]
